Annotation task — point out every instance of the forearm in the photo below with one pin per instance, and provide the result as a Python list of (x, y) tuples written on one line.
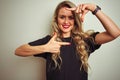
[(108, 24), (27, 50)]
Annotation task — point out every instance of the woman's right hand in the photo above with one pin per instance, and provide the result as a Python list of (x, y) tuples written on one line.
[(53, 46)]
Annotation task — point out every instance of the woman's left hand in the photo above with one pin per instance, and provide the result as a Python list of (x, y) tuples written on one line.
[(83, 9)]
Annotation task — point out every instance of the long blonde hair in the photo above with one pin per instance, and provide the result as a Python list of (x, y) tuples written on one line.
[(77, 35)]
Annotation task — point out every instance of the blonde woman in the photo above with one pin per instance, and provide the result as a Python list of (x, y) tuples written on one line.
[(67, 50)]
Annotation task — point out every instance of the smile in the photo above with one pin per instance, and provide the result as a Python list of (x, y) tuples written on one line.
[(65, 26)]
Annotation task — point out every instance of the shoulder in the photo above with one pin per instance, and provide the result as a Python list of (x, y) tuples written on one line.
[(90, 43), (40, 41), (47, 38)]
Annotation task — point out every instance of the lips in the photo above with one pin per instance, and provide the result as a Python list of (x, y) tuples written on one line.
[(65, 26)]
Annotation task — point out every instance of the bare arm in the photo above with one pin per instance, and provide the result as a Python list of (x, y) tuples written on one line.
[(27, 50), (112, 30), (52, 46)]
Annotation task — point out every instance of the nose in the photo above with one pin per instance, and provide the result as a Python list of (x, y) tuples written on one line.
[(66, 20)]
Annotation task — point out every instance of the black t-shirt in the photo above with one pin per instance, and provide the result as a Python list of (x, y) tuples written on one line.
[(70, 68)]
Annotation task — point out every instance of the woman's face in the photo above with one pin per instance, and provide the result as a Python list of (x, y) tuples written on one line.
[(65, 21)]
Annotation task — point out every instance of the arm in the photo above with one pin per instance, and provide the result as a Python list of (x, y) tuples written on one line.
[(112, 30), (27, 50), (52, 46)]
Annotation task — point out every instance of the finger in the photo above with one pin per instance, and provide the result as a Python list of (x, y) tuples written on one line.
[(82, 18), (78, 9), (83, 15), (71, 9), (83, 7), (56, 51), (63, 43)]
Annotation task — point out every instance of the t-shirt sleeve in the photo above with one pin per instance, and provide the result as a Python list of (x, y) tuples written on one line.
[(41, 42), (91, 45)]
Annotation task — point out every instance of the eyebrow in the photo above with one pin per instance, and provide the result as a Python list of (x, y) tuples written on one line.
[(66, 15)]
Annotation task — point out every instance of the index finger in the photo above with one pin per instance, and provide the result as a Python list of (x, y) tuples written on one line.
[(71, 9), (63, 43)]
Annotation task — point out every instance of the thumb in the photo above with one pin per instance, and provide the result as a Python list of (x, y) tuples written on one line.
[(54, 36), (83, 15)]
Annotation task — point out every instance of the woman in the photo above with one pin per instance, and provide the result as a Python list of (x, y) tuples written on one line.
[(67, 50)]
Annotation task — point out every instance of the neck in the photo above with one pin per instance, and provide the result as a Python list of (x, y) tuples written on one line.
[(65, 35)]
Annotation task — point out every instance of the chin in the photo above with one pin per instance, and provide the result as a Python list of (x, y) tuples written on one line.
[(66, 30)]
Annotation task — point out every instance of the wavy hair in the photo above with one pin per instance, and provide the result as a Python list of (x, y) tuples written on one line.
[(77, 35)]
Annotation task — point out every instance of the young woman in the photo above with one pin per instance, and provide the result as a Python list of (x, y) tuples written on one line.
[(67, 50)]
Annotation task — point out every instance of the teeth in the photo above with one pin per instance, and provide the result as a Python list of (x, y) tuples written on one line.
[(65, 25)]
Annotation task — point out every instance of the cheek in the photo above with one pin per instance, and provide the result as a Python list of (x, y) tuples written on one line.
[(59, 21), (72, 23)]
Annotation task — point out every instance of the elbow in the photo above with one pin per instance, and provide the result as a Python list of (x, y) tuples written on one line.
[(117, 34), (19, 52), (22, 51)]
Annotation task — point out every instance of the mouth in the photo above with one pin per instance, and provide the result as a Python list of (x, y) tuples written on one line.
[(65, 26)]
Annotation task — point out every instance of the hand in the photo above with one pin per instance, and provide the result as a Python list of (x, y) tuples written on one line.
[(53, 46), (83, 9)]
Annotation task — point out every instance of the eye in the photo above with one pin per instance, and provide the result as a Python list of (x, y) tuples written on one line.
[(71, 17), (62, 17)]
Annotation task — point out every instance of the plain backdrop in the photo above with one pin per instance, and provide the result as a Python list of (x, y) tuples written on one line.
[(23, 21)]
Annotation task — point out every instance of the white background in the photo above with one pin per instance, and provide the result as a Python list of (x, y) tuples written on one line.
[(23, 21)]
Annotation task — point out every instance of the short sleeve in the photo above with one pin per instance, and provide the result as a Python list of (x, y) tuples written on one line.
[(91, 45), (41, 42)]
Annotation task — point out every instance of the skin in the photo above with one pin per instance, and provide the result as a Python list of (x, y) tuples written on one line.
[(112, 30), (66, 23)]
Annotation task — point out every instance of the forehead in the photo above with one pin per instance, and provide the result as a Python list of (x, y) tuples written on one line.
[(64, 11)]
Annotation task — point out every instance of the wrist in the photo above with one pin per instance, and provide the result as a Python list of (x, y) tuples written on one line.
[(41, 49), (96, 10)]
